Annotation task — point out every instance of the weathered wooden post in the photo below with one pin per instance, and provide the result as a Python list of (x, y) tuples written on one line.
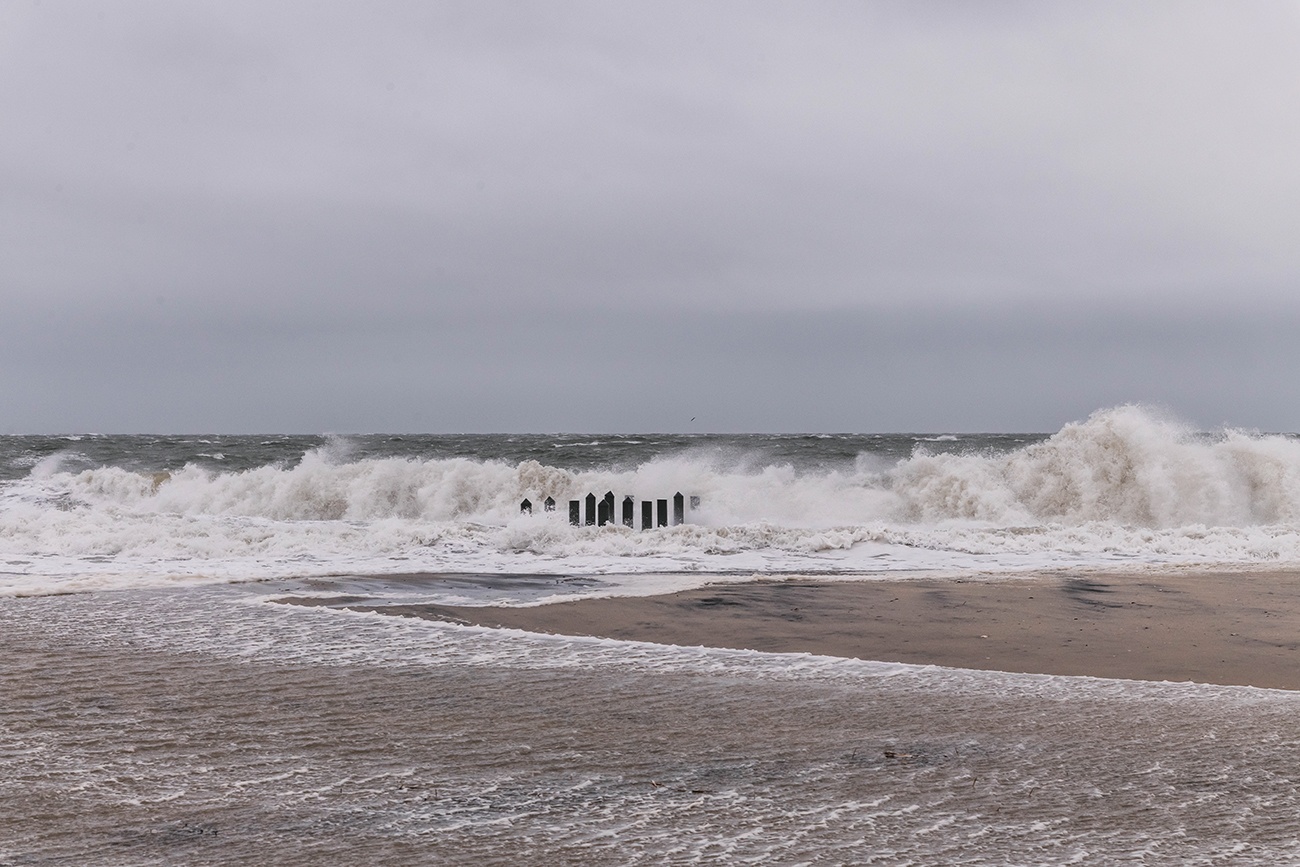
[(609, 506), (679, 509), (627, 510), (591, 509), (575, 512), (662, 509), (549, 504), (602, 513), (526, 507), (647, 515)]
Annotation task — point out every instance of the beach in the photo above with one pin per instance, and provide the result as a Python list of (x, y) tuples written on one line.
[(206, 726), (1220, 627)]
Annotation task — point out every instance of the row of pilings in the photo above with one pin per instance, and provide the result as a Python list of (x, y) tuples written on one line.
[(598, 513)]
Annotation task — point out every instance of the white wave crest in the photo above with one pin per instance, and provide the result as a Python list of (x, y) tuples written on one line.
[(1125, 484), (1125, 466)]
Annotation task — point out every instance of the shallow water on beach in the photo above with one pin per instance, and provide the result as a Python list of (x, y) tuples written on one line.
[(211, 726)]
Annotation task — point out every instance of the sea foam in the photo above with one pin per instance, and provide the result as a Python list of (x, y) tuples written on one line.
[(1126, 484)]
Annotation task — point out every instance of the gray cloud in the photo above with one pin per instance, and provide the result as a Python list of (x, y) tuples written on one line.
[(829, 216)]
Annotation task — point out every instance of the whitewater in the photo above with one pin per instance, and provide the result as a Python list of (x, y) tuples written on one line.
[(1127, 484)]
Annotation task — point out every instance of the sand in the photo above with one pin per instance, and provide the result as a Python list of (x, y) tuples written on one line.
[(1225, 628)]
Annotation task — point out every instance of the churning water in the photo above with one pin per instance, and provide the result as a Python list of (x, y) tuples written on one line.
[(79, 513)]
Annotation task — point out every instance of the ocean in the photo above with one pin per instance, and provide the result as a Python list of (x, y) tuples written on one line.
[(157, 708)]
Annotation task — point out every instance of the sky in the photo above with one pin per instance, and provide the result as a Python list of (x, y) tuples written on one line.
[(672, 216)]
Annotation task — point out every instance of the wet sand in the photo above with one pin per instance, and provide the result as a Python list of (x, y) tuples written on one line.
[(1225, 628)]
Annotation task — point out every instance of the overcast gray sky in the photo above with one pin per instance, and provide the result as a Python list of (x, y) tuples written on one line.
[(568, 216)]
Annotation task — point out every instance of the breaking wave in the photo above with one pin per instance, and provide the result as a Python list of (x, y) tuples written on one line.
[(1127, 466), (1125, 483)]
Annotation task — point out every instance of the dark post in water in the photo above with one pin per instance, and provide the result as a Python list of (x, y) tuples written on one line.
[(549, 504), (679, 508), (647, 515), (627, 510), (591, 509), (575, 512), (663, 512), (526, 507), (602, 513)]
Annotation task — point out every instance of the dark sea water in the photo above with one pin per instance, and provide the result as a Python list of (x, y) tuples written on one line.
[(158, 707), (575, 452)]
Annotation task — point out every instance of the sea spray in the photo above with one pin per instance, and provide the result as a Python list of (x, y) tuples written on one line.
[(1125, 484), (1122, 466)]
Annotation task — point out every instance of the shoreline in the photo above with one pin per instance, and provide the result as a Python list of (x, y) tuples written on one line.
[(1229, 627)]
